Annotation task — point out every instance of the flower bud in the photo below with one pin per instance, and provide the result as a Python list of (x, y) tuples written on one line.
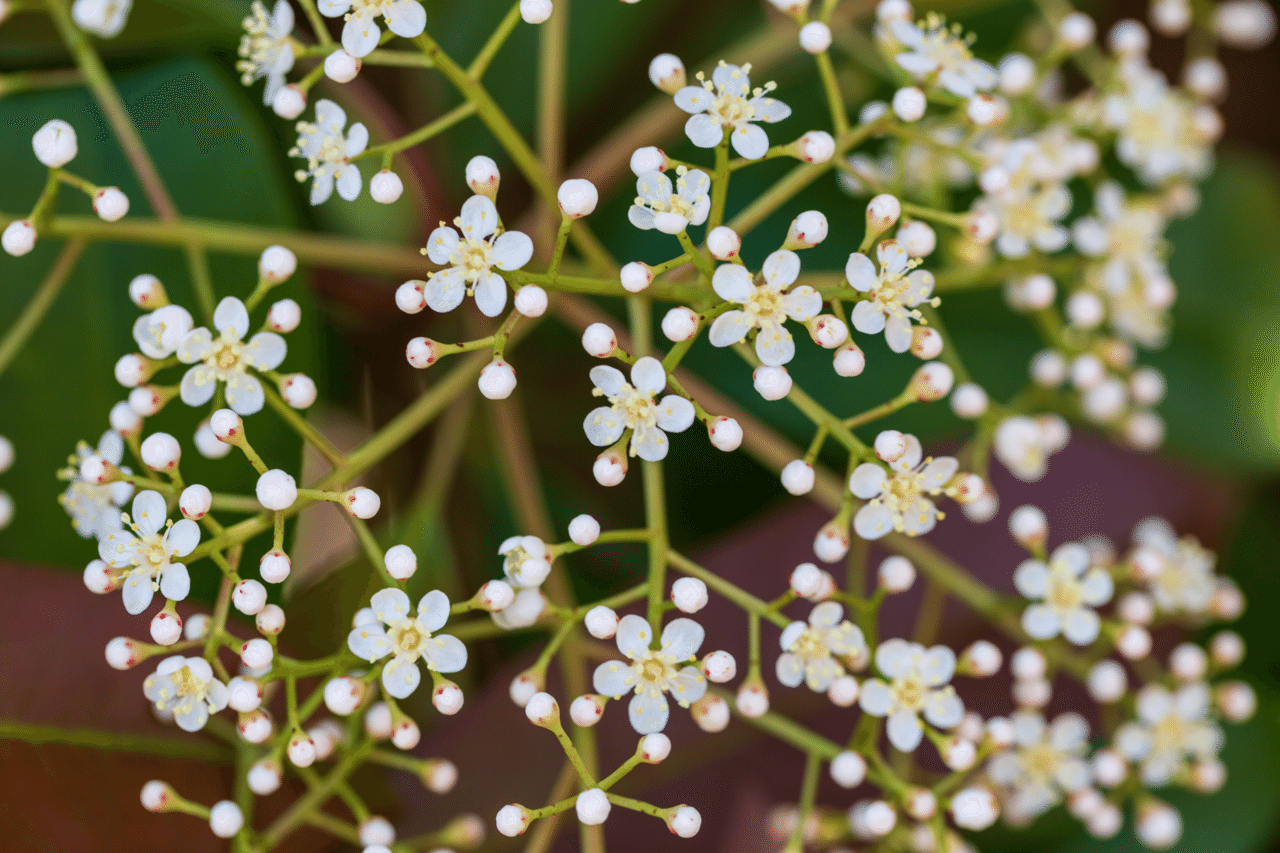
[(807, 230), (406, 734), (897, 574), (648, 159), (771, 383), (483, 176), (832, 542), (298, 390), (447, 697), (711, 713), (909, 104), (725, 434), (667, 73), (798, 477), (926, 342), (256, 653), (1227, 649), (1158, 825), (1188, 662), (974, 808), (497, 380), (376, 831), (849, 360), (577, 197), (816, 146), (598, 340), (635, 277), (848, 769), (96, 470), (513, 820), (1077, 30), (341, 67), (244, 694), (166, 628), (55, 143), (401, 562), (289, 102), (872, 819), (385, 187), (1029, 526), (343, 695), (265, 776), (225, 819), (276, 489), (1134, 642), (274, 566), (815, 37), (524, 686), (270, 620), (601, 622), (982, 659), (110, 204), (1245, 24), (685, 821), (586, 710), (969, 401), (122, 653), (584, 530), (932, 381), (610, 468), (161, 452), (882, 212), (752, 698), (689, 595), (593, 807), (1236, 701), (19, 238), (157, 796), (959, 754), (680, 324), (844, 691), (719, 667), (99, 578), (378, 722), (132, 369), (440, 775)]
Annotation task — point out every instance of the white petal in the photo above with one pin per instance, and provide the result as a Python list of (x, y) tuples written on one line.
[(774, 344), (433, 610), (613, 679), (175, 582), (603, 426), (693, 99), (905, 730), (919, 517), (674, 414), (937, 666), (867, 480), (802, 303), (790, 670), (1097, 587), (608, 379), (943, 708), (349, 181), (137, 592), (641, 217), (653, 186), (892, 256), (875, 697), (936, 474), (867, 318), (729, 328), (149, 512), (703, 131), (649, 711), (321, 187), (1032, 579), (916, 63), (826, 615), (895, 657), (445, 653), (781, 268), (634, 635), (873, 521), (650, 444), (732, 282), (511, 251), (897, 333), (769, 109), (244, 394), (683, 638), (330, 116), (491, 294), (479, 217), (1081, 626), (406, 18), (360, 35), (231, 314), (441, 244), (648, 376), (1040, 622), (860, 272), (688, 686), (357, 141), (445, 290), (390, 606), (265, 351), (182, 538), (749, 140), (401, 676)]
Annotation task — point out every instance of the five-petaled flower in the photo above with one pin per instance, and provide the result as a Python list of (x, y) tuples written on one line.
[(919, 685), (658, 207), (471, 256), (360, 33), (810, 650), (159, 332), (765, 306), (1044, 763), (1065, 591), (1171, 729), (186, 688), (266, 47), (728, 103), (892, 293), (408, 638), (900, 499), (936, 51), (632, 407), (654, 672), (226, 359), (94, 508), (329, 153), (147, 554)]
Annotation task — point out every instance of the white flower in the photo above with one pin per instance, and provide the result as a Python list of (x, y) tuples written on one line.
[(1044, 763), (329, 154), (809, 650), (360, 34), (1023, 446), (266, 47), (186, 688), (526, 565), (899, 500), (104, 18), (765, 306), (651, 672), (919, 686), (1171, 729), (1155, 126), (159, 333), (226, 359), (1066, 590), (671, 212), (94, 508), (1183, 580), (892, 294), (937, 51), (632, 407), (471, 257), (1028, 218), (147, 557), (730, 104), (408, 638)]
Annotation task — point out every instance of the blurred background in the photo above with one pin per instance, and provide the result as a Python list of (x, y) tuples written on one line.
[(224, 157)]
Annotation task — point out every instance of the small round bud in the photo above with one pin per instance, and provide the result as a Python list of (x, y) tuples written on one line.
[(897, 574), (771, 383), (577, 197), (270, 620), (362, 502), (483, 176), (422, 352), (680, 324), (1188, 662), (1227, 649), (524, 686), (1077, 30), (497, 380), (648, 159), (341, 67), (917, 238), (275, 566), (719, 667), (689, 595), (146, 400), (959, 754), (974, 808), (448, 698), (1028, 664), (1048, 368), (110, 204), (593, 807), (1236, 701), (376, 830), (832, 542), (807, 230), (598, 340), (1109, 768), (377, 721), (496, 596), (610, 468), (828, 331), (969, 401), (227, 426), (667, 73), (1017, 74), (635, 277), (1028, 525), (816, 146), (1170, 18), (815, 37), (806, 580), (798, 477), (986, 110), (849, 360), (132, 369), (921, 803), (1206, 78), (277, 264), (122, 654), (535, 11), (1134, 642), (711, 713), (848, 769), (932, 381), (284, 316), (55, 143), (157, 796), (981, 226), (343, 695), (406, 735), (1128, 39), (601, 622), (264, 776), (401, 562), (1158, 825), (926, 342), (725, 434), (724, 243), (276, 489), (586, 710), (289, 102), (126, 421), (195, 501), (19, 238), (166, 628), (411, 298), (512, 820), (244, 694), (873, 819), (225, 819), (685, 821), (1245, 24), (385, 187), (99, 578), (909, 104), (161, 452), (440, 776), (882, 212), (1107, 682), (257, 653), (844, 691), (752, 699), (298, 390), (982, 659), (95, 469), (147, 292)]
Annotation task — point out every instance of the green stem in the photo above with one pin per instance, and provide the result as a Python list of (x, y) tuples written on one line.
[(734, 593), (420, 135), (487, 53), (41, 301), (303, 428), (196, 749)]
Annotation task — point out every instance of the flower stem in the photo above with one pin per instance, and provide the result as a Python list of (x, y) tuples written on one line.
[(41, 301)]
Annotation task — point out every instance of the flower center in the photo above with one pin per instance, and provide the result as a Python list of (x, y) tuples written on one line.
[(809, 645), (152, 554), (227, 354), (764, 304), (408, 637), (1170, 735), (1040, 762), (185, 683), (943, 44), (909, 693), (1065, 592), (472, 257), (653, 669)]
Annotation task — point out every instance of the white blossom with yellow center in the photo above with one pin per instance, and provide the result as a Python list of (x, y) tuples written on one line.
[(1171, 730), (226, 359), (266, 47), (657, 206), (360, 33), (810, 650), (471, 250), (728, 103), (94, 508), (328, 153), (940, 53), (147, 552), (1184, 581), (918, 685), (1155, 127), (765, 306), (1044, 763), (407, 638), (899, 499), (1065, 590), (186, 688), (632, 407), (893, 293), (652, 673)]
